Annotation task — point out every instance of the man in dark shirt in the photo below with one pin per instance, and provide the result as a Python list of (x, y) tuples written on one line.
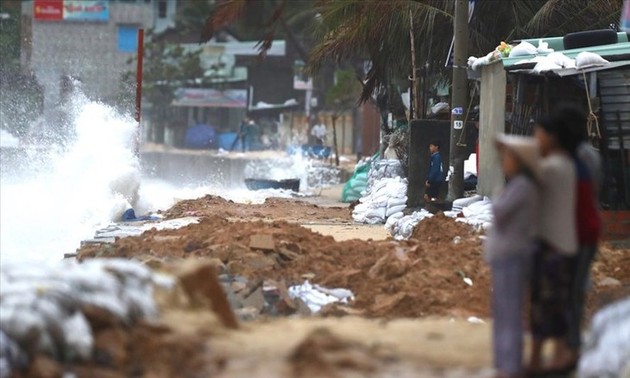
[(435, 176)]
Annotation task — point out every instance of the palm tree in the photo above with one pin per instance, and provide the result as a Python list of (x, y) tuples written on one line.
[(378, 31)]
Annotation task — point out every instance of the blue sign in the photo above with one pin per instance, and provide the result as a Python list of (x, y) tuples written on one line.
[(86, 10)]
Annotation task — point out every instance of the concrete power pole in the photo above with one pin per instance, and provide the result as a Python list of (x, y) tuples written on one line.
[(459, 99)]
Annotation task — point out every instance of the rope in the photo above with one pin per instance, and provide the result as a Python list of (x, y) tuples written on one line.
[(592, 123)]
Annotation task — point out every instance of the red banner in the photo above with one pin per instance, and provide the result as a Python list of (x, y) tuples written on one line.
[(48, 10)]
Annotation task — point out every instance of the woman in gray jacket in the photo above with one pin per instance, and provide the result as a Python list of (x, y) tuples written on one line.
[(509, 249)]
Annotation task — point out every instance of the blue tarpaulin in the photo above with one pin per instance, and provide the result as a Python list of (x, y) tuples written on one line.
[(200, 136)]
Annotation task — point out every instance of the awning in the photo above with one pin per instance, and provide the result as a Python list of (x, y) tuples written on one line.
[(210, 98), (291, 103)]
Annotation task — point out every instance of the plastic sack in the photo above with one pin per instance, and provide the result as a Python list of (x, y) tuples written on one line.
[(355, 185), (543, 47), (395, 209), (546, 66), (607, 350), (587, 59), (523, 49), (561, 60)]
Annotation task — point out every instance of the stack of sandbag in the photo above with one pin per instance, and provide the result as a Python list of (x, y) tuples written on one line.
[(385, 168), (42, 305), (460, 203), (607, 349), (475, 211), (478, 214), (386, 199), (402, 228)]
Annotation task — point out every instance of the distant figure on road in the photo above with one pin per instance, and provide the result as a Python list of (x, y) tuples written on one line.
[(319, 133), (435, 176)]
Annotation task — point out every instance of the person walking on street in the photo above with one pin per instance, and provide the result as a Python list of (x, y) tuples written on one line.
[(435, 177), (509, 249), (318, 132)]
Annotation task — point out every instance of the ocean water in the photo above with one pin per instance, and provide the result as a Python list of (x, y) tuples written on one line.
[(54, 196)]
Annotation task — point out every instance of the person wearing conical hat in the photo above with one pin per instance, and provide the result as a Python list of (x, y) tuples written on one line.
[(509, 249)]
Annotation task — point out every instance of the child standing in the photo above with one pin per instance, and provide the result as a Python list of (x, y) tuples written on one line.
[(509, 249), (435, 176)]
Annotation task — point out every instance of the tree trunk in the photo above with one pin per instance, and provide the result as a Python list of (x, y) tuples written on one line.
[(335, 148)]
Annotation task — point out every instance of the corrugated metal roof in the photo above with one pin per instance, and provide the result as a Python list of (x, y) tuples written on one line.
[(606, 51), (527, 69)]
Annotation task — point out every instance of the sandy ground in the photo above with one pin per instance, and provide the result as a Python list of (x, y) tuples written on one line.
[(410, 315), (357, 347)]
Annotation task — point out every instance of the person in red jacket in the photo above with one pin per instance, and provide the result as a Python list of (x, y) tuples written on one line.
[(588, 221)]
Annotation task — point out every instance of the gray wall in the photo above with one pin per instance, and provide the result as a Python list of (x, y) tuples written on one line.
[(88, 50), (491, 123)]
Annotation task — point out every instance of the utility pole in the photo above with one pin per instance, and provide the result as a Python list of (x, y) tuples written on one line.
[(459, 99)]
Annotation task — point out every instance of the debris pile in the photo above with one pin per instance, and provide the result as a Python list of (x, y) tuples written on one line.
[(263, 259), (271, 209)]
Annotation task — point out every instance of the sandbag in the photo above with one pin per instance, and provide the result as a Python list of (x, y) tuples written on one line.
[(395, 209), (522, 49), (587, 59)]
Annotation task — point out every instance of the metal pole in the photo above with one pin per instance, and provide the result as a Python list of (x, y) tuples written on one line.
[(139, 74), (139, 88), (460, 93)]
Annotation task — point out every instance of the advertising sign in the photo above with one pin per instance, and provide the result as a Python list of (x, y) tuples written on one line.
[(48, 10), (211, 98), (86, 10), (71, 10)]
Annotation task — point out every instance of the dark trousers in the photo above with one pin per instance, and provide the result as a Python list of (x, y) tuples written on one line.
[(433, 191), (509, 284), (550, 294), (579, 267)]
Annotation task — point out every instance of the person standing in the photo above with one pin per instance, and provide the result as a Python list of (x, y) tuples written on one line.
[(509, 249), (589, 224), (435, 177), (318, 132), (557, 242)]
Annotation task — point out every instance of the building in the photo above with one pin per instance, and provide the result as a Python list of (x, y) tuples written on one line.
[(92, 40)]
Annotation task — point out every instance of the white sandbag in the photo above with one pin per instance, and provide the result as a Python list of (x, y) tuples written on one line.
[(78, 336), (561, 60), (606, 352), (391, 202), (377, 213), (587, 59), (395, 209), (546, 66), (543, 47), (463, 202), (522, 49)]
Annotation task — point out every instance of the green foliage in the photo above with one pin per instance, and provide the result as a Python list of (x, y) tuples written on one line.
[(344, 94), (166, 68), (378, 30)]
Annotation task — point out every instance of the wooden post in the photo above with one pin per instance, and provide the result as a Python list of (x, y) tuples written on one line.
[(413, 103), (459, 99)]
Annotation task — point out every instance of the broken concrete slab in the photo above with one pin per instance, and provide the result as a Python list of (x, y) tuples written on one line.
[(199, 278)]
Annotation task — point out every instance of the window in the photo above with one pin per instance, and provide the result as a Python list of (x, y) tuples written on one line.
[(127, 38), (162, 9)]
